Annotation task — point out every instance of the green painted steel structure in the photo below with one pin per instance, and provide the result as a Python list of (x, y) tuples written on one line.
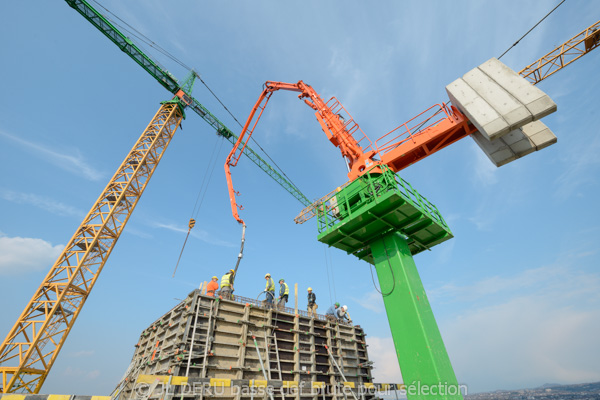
[(376, 204), (381, 219), (424, 362), (169, 82)]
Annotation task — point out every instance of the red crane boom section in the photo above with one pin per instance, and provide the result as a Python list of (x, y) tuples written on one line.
[(423, 135)]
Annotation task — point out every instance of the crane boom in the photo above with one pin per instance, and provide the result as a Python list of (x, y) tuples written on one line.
[(40, 332), (169, 82), (571, 50)]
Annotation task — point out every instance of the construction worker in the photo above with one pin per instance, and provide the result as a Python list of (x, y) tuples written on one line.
[(332, 313), (342, 314), (270, 290), (284, 291), (312, 305), (212, 286), (227, 285)]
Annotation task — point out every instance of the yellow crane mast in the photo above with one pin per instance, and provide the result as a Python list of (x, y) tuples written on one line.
[(38, 335)]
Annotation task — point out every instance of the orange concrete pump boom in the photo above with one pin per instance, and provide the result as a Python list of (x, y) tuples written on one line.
[(432, 130)]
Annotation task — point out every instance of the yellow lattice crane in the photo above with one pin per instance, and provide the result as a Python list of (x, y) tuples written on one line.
[(571, 50), (32, 345)]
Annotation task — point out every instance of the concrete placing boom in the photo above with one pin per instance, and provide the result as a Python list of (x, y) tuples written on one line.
[(32, 345)]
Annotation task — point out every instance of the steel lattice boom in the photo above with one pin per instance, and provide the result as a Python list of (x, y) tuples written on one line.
[(563, 55), (38, 335)]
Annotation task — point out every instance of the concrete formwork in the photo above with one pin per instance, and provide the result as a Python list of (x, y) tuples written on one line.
[(206, 338)]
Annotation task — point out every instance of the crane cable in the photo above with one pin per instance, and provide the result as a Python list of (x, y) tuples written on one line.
[(199, 200), (515, 43), (140, 36), (391, 270), (327, 269), (332, 272), (251, 137), (143, 38)]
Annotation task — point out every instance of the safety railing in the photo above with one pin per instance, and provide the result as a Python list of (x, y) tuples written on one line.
[(344, 205), (350, 126), (413, 127), (289, 310)]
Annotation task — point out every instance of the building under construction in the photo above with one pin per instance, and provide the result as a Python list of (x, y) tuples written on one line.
[(240, 345)]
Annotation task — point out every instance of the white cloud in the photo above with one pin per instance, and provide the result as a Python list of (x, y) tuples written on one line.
[(539, 326), (75, 372), (198, 234), (74, 163), (580, 168), (23, 255), (41, 202), (484, 171), (381, 352), (82, 353), (524, 342), (93, 374), (371, 301)]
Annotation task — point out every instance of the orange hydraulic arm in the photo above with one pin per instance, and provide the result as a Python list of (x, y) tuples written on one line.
[(418, 138), (335, 121)]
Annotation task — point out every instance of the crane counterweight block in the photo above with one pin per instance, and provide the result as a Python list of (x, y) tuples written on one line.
[(506, 109)]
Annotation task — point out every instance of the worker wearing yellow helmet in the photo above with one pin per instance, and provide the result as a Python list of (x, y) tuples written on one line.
[(312, 305), (270, 290), (212, 286), (284, 291), (227, 285)]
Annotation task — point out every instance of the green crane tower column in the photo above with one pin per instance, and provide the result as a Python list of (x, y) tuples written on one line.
[(381, 219), (424, 362)]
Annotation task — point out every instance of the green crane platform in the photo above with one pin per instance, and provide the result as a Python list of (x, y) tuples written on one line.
[(374, 205), (381, 219)]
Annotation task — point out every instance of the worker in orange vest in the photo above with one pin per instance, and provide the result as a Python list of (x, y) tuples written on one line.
[(212, 286)]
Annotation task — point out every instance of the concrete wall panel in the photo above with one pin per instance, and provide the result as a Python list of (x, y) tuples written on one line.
[(510, 109), (537, 102), (516, 144), (479, 112)]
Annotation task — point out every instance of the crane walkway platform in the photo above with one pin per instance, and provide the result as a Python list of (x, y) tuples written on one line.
[(376, 204)]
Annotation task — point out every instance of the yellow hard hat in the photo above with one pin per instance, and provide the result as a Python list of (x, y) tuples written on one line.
[(214, 277), (309, 289), (232, 271), (267, 275)]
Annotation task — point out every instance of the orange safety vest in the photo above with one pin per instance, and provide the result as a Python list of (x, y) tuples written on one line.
[(211, 288)]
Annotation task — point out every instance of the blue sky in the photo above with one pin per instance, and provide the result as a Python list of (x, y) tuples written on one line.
[(515, 293)]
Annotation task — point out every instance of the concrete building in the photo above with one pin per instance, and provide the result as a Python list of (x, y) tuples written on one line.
[(207, 347)]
